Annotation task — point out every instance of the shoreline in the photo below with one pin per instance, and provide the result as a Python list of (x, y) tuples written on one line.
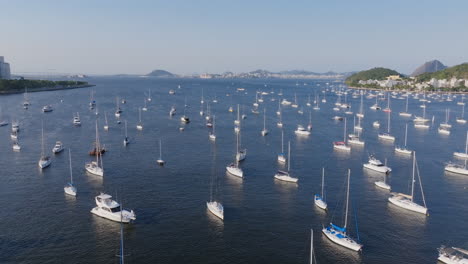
[(45, 89), (406, 90)]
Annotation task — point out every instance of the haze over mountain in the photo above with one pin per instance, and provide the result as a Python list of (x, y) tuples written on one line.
[(430, 66)]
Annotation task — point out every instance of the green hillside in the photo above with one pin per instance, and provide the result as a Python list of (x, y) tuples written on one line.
[(459, 72), (18, 86), (372, 74)]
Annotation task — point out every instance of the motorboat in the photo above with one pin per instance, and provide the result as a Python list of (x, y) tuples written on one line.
[(301, 130), (376, 165), (453, 255), (112, 210), (47, 108), (58, 147)]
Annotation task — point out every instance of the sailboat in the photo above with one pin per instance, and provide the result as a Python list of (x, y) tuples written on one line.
[(139, 125), (95, 167), (407, 201), (361, 109), (387, 136), (404, 149), (463, 155), (160, 161), (456, 168), (284, 175), (420, 122), (241, 153), (26, 103), (444, 128), (237, 121), (383, 184), (338, 234), (144, 106), (70, 188), (126, 139), (184, 118), (388, 109), (264, 131), (295, 105), (354, 139), (212, 133), (215, 207), (106, 126), (405, 113), (149, 96), (281, 156), (45, 160), (461, 119), (319, 199), (118, 111), (341, 145), (234, 168)]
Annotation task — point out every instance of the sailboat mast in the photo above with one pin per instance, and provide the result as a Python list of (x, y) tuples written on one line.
[(238, 113), (125, 128), (388, 127), (412, 181), (214, 123), (264, 118), (98, 151), (71, 173), (407, 98), (282, 141), (160, 149), (122, 261), (289, 155), (344, 132), (42, 142), (323, 180), (311, 245), (466, 143), (406, 133), (347, 201)]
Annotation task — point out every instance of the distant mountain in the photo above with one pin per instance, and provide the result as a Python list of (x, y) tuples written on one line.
[(372, 74), (458, 72), (161, 74), (430, 66)]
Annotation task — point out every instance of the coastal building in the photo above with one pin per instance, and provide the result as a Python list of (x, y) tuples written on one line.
[(4, 69)]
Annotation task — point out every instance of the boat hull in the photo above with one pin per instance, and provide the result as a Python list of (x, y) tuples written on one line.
[(235, 171), (319, 202), (216, 209), (345, 241), (406, 203)]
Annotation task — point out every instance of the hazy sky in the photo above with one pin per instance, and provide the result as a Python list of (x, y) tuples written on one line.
[(112, 36)]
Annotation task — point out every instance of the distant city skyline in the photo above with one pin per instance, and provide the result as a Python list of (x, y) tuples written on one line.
[(185, 37)]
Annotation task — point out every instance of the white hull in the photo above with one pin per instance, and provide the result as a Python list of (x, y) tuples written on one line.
[(356, 142), (117, 216), (382, 169), (216, 209), (403, 151), (457, 170), (461, 121), (452, 260), (461, 155), (319, 202), (240, 156), (139, 127), (285, 178), (407, 204), (302, 132), (342, 147), (16, 147), (94, 169), (386, 137), (70, 190), (345, 241), (382, 185), (235, 171), (405, 114), (264, 132), (281, 158)]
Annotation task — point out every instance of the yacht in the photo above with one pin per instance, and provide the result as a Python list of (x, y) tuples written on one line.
[(453, 255), (110, 209), (376, 165), (76, 120), (58, 147), (301, 131), (16, 146), (47, 108)]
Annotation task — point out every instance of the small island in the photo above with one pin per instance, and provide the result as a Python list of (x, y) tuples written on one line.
[(20, 85)]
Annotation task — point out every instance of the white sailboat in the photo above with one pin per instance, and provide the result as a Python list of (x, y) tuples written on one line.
[(387, 136), (264, 131), (361, 109), (463, 155), (16, 146), (285, 175), (338, 234), (95, 167), (126, 140), (240, 153), (281, 156), (214, 206), (234, 168), (405, 113), (160, 161), (457, 168), (145, 108), (407, 201), (341, 145), (70, 188), (354, 139), (319, 199), (45, 160), (461, 120), (118, 111), (404, 149), (106, 126), (213, 134), (383, 184), (139, 125)]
